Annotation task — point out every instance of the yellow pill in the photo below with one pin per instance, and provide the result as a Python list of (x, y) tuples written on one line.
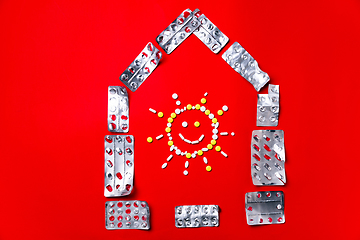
[(207, 112), (214, 120), (149, 139), (220, 112), (197, 106), (170, 143), (170, 120), (167, 129), (213, 142), (173, 115), (208, 168), (218, 148), (160, 114), (188, 155), (189, 106), (209, 146), (200, 152), (203, 100), (197, 124)]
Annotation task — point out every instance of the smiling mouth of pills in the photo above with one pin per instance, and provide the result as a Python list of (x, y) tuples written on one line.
[(206, 147)]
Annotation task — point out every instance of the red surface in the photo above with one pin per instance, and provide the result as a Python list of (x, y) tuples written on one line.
[(59, 57)]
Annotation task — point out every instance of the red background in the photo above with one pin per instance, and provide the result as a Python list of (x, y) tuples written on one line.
[(59, 57)]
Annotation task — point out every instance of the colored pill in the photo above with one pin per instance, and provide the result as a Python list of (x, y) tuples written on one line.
[(220, 112), (173, 115), (209, 146), (218, 148), (160, 114), (207, 112), (197, 106), (170, 120), (213, 142), (167, 129), (208, 168), (170, 143), (188, 155), (197, 124), (214, 120), (203, 100), (189, 106), (200, 152), (149, 139)]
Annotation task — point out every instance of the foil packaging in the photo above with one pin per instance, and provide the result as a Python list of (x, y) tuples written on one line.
[(118, 109), (268, 107), (209, 34), (140, 69), (244, 64), (119, 165), (196, 216), (264, 207), (268, 157), (127, 215)]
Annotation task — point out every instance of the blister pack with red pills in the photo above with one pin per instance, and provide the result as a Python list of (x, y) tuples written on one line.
[(118, 109), (119, 165), (264, 207), (127, 215)]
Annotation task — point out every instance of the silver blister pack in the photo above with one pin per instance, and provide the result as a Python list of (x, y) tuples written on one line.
[(118, 109), (209, 34), (127, 215), (197, 216), (180, 29), (119, 165), (264, 207), (242, 62), (140, 69), (268, 157), (268, 107)]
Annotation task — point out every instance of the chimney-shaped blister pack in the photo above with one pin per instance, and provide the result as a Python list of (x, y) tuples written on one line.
[(244, 64), (268, 107), (118, 109), (119, 165), (140, 69)]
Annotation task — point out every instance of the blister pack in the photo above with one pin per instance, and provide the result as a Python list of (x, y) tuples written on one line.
[(209, 34), (140, 69), (118, 109), (180, 29), (127, 215), (119, 165), (196, 216), (268, 157), (243, 63), (264, 207), (268, 107)]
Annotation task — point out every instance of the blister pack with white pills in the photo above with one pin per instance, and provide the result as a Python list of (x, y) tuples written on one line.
[(264, 207), (268, 107), (180, 29), (127, 215), (140, 69), (268, 157), (118, 109), (119, 165), (243, 63), (209, 34), (197, 216)]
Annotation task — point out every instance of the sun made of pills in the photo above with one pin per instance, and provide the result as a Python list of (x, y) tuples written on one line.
[(206, 147)]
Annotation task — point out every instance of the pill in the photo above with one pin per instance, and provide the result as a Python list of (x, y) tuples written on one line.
[(202, 108), (193, 155), (224, 133), (152, 110), (168, 124), (203, 100), (149, 139), (213, 142), (186, 164), (178, 152), (189, 106), (177, 111), (225, 108), (182, 153), (173, 115), (218, 148), (169, 158), (215, 137), (195, 142), (186, 173), (172, 148), (174, 96), (181, 136), (175, 147), (159, 137), (204, 149), (208, 168), (197, 124), (170, 143), (232, 134), (178, 103), (188, 155), (205, 160), (201, 138), (215, 131), (170, 120), (193, 107), (160, 114), (214, 120), (209, 146), (164, 165), (197, 106), (184, 124), (184, 108), (207, 112), (205, 94), (220, 112), (225, 155), (170, 138), (169, 134), (211, 116), (188, 141), (200, 152), (167, 129), (216, 125), (212, 124)]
